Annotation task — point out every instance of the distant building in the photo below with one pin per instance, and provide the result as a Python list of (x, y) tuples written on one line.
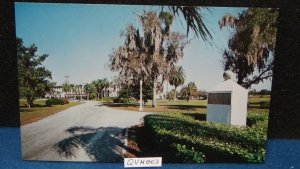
[(78, 92)]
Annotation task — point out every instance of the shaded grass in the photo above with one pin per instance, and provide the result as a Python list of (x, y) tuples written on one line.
[(36, 103), (40, 111)]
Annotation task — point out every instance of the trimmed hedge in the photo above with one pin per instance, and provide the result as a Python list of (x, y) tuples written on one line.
[(199, 140), (54, 101)]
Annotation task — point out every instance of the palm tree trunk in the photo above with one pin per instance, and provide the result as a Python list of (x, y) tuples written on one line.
[(154, 93)]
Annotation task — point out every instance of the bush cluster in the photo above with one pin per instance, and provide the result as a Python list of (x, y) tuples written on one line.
[(55, 101), (121, 100), (201, 141)]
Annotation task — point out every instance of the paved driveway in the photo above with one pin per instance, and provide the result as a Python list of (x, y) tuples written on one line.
[(87, 132)]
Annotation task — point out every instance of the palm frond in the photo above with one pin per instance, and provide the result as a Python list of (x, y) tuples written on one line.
[(194, 20)]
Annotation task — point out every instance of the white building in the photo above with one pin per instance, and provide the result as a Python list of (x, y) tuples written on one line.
[(76, 93), (56, 92), (227, 103)]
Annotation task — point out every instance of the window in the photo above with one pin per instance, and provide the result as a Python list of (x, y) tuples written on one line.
[(219, 98)]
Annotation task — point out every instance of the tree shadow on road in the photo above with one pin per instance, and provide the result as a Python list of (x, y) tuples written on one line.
[(101, 144)]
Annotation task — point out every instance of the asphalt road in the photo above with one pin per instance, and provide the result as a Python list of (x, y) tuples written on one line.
[(87, 132)]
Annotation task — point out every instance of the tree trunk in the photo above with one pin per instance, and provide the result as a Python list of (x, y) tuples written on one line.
[(154, 93), (29, 102), (175, 95), (240, 79)]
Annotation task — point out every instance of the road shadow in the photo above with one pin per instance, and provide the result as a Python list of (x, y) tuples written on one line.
[(120, 104), (101, 144)]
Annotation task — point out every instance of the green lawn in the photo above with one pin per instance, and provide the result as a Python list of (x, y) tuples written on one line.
[(259, 102), (257, 99), (40, 110), (163, 106), (183, 105)]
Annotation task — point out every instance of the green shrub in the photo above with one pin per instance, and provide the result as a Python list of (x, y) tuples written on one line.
[(54, 101), (198, 139), (264, 104), (188, 154), (132, 100), (255, 118), (121, 100)]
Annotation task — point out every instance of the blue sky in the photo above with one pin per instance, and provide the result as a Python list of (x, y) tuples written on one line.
[(80, 37)]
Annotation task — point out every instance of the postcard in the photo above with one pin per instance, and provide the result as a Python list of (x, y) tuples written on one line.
[(104, 82)]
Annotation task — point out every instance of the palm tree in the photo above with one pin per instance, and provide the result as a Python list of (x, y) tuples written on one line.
[(76, 90), (88, 89), (99, 85), (194, 20), (96, 85), (177, 77), (103, 84), (72, 88), (66, 87), (189, 90)]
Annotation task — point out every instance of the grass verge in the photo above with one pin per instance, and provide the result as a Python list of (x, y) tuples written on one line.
[(163, 106), (40, 111), (182, 106)]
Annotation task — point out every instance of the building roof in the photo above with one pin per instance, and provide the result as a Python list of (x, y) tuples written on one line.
[(227, 86)]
